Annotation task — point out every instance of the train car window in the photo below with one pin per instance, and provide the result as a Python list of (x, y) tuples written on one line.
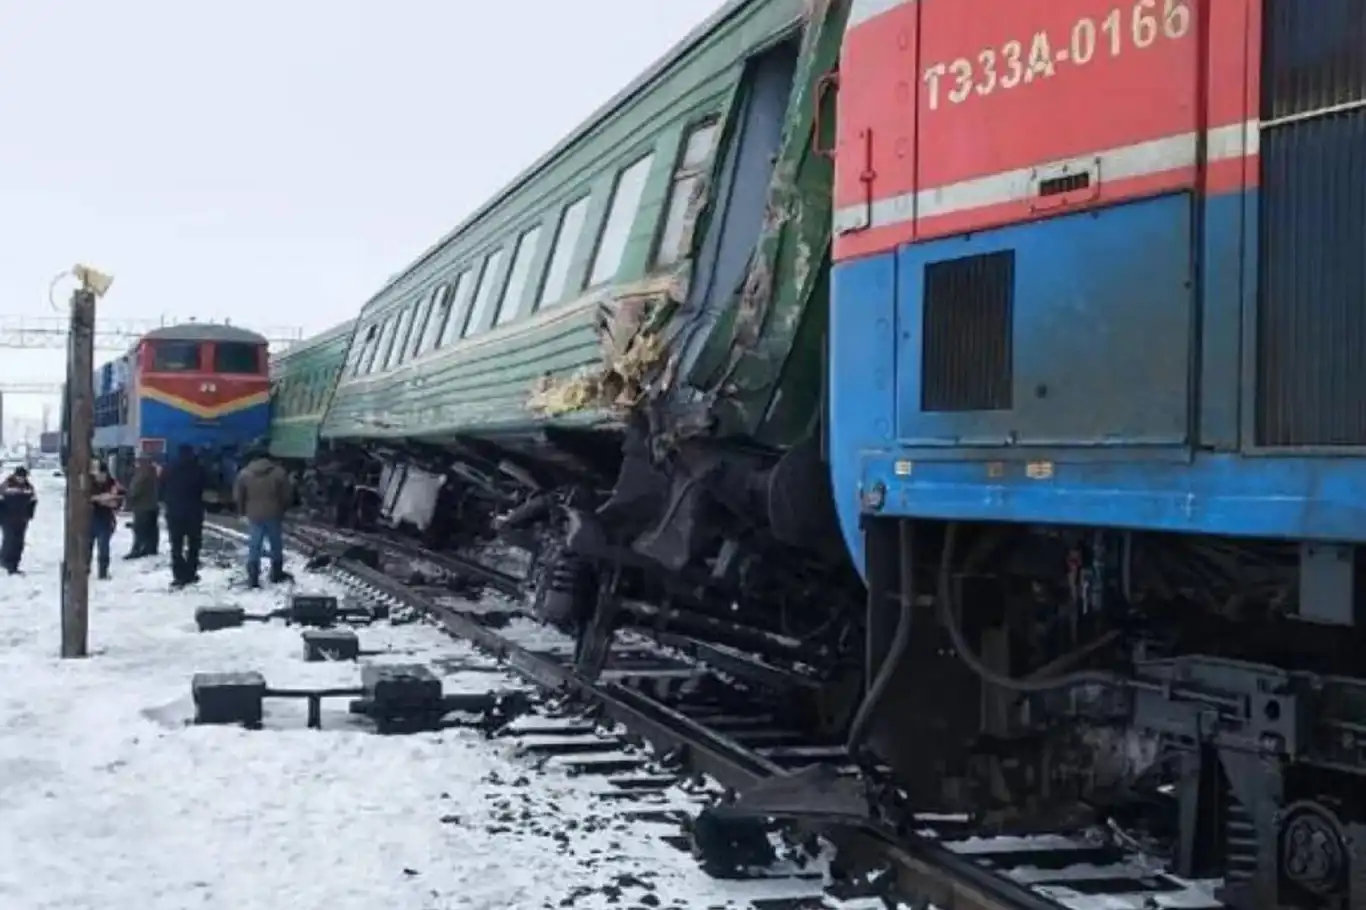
[(436, 321), (381, 349), (483, 294), (616, 230), (692, 168), (566, 241), (175, 356), (238, 357), (424, 317), (460, 301), (365, 349), (522, 258), (359, 345), (405, 326)]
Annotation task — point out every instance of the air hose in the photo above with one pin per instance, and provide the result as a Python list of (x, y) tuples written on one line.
[(858, 728), (945, 609)]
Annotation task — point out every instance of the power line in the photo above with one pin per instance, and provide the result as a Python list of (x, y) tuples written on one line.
[(50, 332), (30, 388)]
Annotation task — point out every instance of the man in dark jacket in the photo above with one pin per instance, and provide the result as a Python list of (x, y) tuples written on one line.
[(142, 502), (18, 503), (262, 494), (106, 496), (182, 489)]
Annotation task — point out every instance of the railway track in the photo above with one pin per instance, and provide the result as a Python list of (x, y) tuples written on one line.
[(670, 730)]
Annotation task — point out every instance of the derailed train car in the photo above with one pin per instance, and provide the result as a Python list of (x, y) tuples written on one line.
[(617, 361), (303, 379), (1097, 444)]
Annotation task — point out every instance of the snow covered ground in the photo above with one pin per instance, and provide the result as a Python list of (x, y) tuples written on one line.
[(109, 801)]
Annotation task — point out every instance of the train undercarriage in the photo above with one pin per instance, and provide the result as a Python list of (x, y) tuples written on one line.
[(1203, 700), (731, 546)]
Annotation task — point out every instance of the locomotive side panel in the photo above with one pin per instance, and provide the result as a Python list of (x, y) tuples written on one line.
[(1174, 362), (952, 123)]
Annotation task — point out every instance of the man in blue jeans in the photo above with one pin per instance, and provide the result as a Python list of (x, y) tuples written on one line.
[(263, 493)]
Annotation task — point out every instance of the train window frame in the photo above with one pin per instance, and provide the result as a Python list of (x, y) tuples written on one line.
[(555, 283), (460, 300), (692, 167), (615, 234), (220, 347), (421, 315), (519, 275), (438, 312), (384, 344), (364, 347), (401, 336), (160, 344), (483, 292)]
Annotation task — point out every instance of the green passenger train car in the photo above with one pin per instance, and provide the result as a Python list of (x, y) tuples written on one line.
[(302, 380), (620, 355)]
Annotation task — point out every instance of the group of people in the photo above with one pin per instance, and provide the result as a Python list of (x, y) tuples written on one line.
[(262, 492)]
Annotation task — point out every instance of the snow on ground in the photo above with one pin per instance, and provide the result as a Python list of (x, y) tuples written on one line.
[(109, 801)]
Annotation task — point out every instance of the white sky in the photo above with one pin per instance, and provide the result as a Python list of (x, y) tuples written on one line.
[(274, 162)]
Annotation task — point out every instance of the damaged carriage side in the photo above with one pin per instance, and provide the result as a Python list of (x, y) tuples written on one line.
[(616, 363)]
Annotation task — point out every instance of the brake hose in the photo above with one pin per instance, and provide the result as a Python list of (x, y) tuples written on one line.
[(858, 729), (945, 608)]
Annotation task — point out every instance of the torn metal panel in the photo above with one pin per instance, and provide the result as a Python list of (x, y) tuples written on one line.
[(786, 285), (631, 345)]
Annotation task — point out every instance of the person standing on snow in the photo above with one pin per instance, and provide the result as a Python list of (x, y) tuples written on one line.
[(18, 503), (182, 489), (262, 494), (142, 502), (105, 496)]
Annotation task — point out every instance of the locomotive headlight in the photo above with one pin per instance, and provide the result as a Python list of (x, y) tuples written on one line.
[(95, 282)]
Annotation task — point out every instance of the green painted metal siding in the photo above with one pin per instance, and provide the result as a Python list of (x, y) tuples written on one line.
[(302, 381), (770, 343), (485, 383)]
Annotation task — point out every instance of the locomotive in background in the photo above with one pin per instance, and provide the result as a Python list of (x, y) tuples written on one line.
[(198, 384)]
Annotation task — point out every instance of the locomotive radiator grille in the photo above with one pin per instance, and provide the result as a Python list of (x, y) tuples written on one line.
[(1311, 326), (969, 305)]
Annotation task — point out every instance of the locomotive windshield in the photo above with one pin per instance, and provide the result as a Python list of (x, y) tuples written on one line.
[(236, 357), (175, 356)]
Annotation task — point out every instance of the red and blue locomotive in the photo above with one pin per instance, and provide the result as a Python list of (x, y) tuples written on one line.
[(1095, 412), (201, 385)]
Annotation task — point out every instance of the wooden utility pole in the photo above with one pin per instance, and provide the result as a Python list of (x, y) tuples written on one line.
[(79, 434)]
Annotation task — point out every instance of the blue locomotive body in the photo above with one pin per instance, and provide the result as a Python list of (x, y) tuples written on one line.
[(1096, 432)]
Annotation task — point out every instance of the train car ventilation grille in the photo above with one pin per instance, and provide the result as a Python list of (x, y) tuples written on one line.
[(1311, 325), (966, 360)]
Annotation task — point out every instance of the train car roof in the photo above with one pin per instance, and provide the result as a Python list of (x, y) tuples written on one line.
[(582, 131), (204, 331), (304, 345)]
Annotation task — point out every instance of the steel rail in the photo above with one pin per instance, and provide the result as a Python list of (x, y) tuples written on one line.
[(926, 871)]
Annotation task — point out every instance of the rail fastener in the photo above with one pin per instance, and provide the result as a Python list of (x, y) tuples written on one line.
[(398, 698), (321, 611)]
